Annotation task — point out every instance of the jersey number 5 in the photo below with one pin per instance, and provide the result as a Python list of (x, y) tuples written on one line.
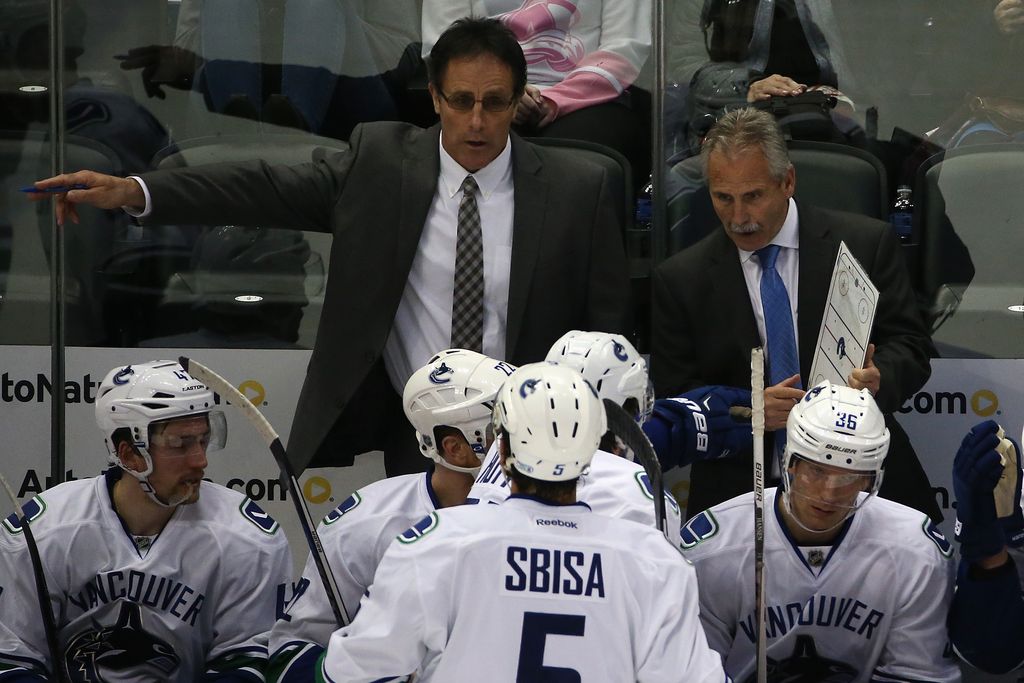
[(536, 627)]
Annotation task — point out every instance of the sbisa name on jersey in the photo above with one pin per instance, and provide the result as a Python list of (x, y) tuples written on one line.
[(821, 610), (559, 572), (157, 592)]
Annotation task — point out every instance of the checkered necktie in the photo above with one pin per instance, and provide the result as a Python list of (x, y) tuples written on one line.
[(783, 361), (468, 300)]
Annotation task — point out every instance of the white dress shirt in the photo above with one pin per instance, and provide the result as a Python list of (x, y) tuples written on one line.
[(423, 322)]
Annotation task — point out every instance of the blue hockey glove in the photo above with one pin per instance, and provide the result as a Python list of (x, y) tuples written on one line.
[(697, 425), (977, 468)]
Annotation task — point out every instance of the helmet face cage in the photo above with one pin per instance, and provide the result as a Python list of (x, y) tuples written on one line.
[(833, 427), (456, 388), (612, 366), (552, 419)]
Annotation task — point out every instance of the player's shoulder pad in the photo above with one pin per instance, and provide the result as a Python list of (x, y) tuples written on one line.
[(907, 527), (644, 482), (420, 529), (347, 505), (254, 514), (33, 510), (700, 528)]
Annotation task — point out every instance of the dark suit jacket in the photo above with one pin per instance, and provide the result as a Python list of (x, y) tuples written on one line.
[(704, 329), (568, 263)]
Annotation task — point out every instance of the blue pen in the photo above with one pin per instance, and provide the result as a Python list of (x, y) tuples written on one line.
[(58, 188)]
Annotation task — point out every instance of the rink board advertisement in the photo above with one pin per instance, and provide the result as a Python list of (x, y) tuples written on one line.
[(271, 379), (959, 394)]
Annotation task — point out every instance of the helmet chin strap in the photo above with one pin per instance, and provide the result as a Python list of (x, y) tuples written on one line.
[(457, 468), (143, 479)]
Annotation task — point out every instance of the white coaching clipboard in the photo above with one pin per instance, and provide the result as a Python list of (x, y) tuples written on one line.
[(846, 324)]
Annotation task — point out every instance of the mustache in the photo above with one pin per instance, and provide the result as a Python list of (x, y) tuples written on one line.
[(744, 228)]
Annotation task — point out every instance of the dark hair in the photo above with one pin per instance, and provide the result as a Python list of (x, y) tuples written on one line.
[(469, 37), (553, 491)]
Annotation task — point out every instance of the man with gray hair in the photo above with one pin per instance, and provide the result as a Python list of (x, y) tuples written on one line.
[(763, 281)]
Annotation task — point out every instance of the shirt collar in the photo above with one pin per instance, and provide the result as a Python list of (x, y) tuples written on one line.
[(487, 178), (788, 236)]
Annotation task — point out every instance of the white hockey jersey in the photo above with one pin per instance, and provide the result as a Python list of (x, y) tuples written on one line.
[(613, 487), (203, 598), (354, 537), (870, 607), (522, 590)]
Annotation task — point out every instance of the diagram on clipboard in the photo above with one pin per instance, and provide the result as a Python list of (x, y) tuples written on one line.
[(846, 324)]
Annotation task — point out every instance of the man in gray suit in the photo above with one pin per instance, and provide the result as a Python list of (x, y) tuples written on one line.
[(550, 242), (707, 305)]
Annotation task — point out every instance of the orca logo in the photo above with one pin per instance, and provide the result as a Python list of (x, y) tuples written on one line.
[(120, 652), (436, 375), (620, 351), (813, 392), (121, 378), (528, 387), (841, 348)]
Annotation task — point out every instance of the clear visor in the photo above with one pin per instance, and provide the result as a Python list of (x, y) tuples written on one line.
[(830, 486), (212, 438), (648, 405)]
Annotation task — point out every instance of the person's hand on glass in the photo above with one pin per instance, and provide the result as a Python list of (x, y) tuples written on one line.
[(88, 187), (162, 65), (1009, 16), (775, 85)]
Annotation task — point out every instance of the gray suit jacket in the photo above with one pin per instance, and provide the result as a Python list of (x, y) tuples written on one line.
[(568, 263), (704, 328)]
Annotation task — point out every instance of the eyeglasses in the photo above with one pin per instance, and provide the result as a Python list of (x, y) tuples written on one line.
[(464, 101)]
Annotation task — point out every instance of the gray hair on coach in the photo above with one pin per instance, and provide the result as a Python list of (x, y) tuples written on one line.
[(742, 129)]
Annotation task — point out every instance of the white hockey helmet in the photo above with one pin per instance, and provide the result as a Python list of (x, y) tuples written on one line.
[(456, 388), (552, 419), (135, 396), (839, 427), (612, 366)]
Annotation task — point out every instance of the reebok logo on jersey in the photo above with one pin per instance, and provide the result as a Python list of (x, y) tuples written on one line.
[(557, 522)]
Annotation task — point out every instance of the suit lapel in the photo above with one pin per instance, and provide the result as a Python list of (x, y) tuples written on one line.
[(420, 171), (729, 287), (530, 202), (817, 260)]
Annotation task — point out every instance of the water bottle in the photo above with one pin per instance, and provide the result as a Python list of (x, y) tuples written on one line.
[(643, 218), (902, 215)]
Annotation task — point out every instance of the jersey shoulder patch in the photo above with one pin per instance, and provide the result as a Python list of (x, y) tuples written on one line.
[(347, 505), (699, 529), (254, 514), (644, 482), (936, 537), (33, 510), (419, 529)]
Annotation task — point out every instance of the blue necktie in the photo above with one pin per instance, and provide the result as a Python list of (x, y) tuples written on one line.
[(783, 360)]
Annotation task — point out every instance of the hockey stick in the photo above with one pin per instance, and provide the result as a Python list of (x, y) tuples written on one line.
[(625, 427), (757, 427), (42, 592), (270, 437)]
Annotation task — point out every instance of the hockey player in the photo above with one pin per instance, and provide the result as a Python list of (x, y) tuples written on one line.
[(154, 574), (857, 588), (537, 588), (614, 486), (449, 402), (986, 623)]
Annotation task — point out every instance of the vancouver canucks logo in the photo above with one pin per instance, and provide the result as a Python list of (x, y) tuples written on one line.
[(813, 392), (120, 652), (620, 351), (123, 374), (437, 375), (528, 387)]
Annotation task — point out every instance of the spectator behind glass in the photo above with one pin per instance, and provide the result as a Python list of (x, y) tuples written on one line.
[(248, 287), (583, 57), (733, 53), (994, 107)]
